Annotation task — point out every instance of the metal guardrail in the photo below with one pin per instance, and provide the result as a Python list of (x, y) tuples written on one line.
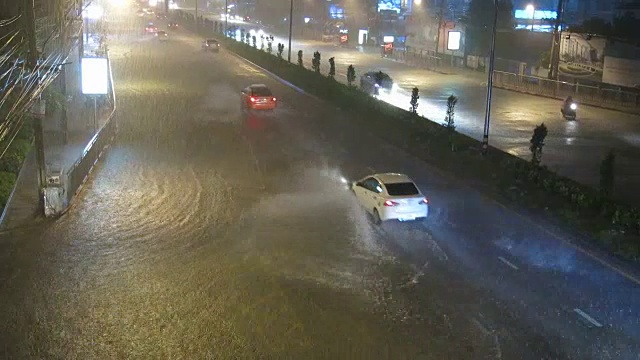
[(78, 173), (615, 99), (584, 94), (420, 59)]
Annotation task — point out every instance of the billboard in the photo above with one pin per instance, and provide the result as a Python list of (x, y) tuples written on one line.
[(95, 76), (453, 42), (538, 14), (394, 5), (336, 12)]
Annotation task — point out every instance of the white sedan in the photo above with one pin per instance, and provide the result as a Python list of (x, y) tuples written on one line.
[(391, 196)]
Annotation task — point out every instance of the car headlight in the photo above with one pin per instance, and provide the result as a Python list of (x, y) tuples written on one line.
[(573, 106)]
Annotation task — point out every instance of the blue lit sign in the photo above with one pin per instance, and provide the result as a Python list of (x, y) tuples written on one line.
[(539, 14), (336, 12), (394, 5)]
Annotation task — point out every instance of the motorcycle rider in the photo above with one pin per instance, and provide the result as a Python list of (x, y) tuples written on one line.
[(566, 105)]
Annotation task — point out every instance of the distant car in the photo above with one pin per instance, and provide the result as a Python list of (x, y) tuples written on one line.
[(141, 13), (391, 196), (211, 45), (172, 25), (150, 28), (161, 16), (258, 97), (148, 11), (376, 80), (162, 35)]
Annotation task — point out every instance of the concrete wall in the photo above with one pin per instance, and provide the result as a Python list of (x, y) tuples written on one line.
[(623, 72)]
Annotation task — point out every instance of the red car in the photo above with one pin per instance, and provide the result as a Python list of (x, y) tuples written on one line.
[(258, 97), (150, 28)]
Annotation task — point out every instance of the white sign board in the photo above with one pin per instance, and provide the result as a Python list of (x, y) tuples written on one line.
[(388, 39), (95, 76), (454, 40)]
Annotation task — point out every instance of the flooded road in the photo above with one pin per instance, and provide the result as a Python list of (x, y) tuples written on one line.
[(212, 233), (206, 233)]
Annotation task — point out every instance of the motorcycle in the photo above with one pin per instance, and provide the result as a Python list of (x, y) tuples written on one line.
[(569, 112)]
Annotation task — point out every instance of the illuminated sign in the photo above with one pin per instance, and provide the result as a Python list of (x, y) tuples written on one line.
[(388, 39), (394, 5), (538, 14), (454, 40), (95, 76), (336, 12)]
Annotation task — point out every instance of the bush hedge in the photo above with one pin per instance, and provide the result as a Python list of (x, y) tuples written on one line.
[(11, 162), (613, 225)]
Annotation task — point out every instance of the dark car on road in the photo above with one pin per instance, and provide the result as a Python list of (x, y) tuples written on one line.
[(376, 80), (172, 25), (211, 45)]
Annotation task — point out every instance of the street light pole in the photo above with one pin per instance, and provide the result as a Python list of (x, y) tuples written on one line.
[(290, 29), (196, 16), (555, 44), (440, 16), (492, 51), (533, 18), (226, 16)]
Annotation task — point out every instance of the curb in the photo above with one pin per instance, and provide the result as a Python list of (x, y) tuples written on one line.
[(285, 82)]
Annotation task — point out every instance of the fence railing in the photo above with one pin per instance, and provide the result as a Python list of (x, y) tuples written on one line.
[(616, 99), (584, 94), (423, 59), (78, 173), (59, 196)]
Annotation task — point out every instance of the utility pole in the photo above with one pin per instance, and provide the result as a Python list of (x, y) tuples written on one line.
[(32, 61), (196, 16), (226, 17), (64, 42), (290, 29), (492, 53), (555, 44), (440, 16), (80, 12)]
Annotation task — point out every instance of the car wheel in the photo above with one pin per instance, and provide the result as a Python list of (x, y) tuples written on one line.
[(376, 217)]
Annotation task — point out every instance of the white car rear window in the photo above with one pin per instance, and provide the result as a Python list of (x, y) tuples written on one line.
[(402, 189)]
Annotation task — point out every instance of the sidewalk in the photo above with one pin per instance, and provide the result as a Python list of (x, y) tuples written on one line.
[(22, 207)]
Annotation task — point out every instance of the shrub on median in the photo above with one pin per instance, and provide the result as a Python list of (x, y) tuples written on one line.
[(12, 160), (513, 177)]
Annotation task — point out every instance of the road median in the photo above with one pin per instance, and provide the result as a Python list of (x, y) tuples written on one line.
[(561, 201)]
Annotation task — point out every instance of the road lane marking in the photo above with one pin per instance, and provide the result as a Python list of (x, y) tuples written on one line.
[(568, 242), (508, 263), (587, 318), (481, 326), (373, 171)]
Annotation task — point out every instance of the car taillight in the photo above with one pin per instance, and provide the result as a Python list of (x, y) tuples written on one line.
[(424, 201), (390, 203), (252, 99)]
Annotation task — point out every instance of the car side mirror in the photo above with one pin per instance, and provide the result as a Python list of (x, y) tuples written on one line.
[(357, 183)]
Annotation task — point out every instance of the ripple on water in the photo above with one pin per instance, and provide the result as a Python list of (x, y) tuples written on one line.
[(129, 202), (314, 232)]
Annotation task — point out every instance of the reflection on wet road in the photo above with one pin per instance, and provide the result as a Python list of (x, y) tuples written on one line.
[(208, 232), (205, 235)]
